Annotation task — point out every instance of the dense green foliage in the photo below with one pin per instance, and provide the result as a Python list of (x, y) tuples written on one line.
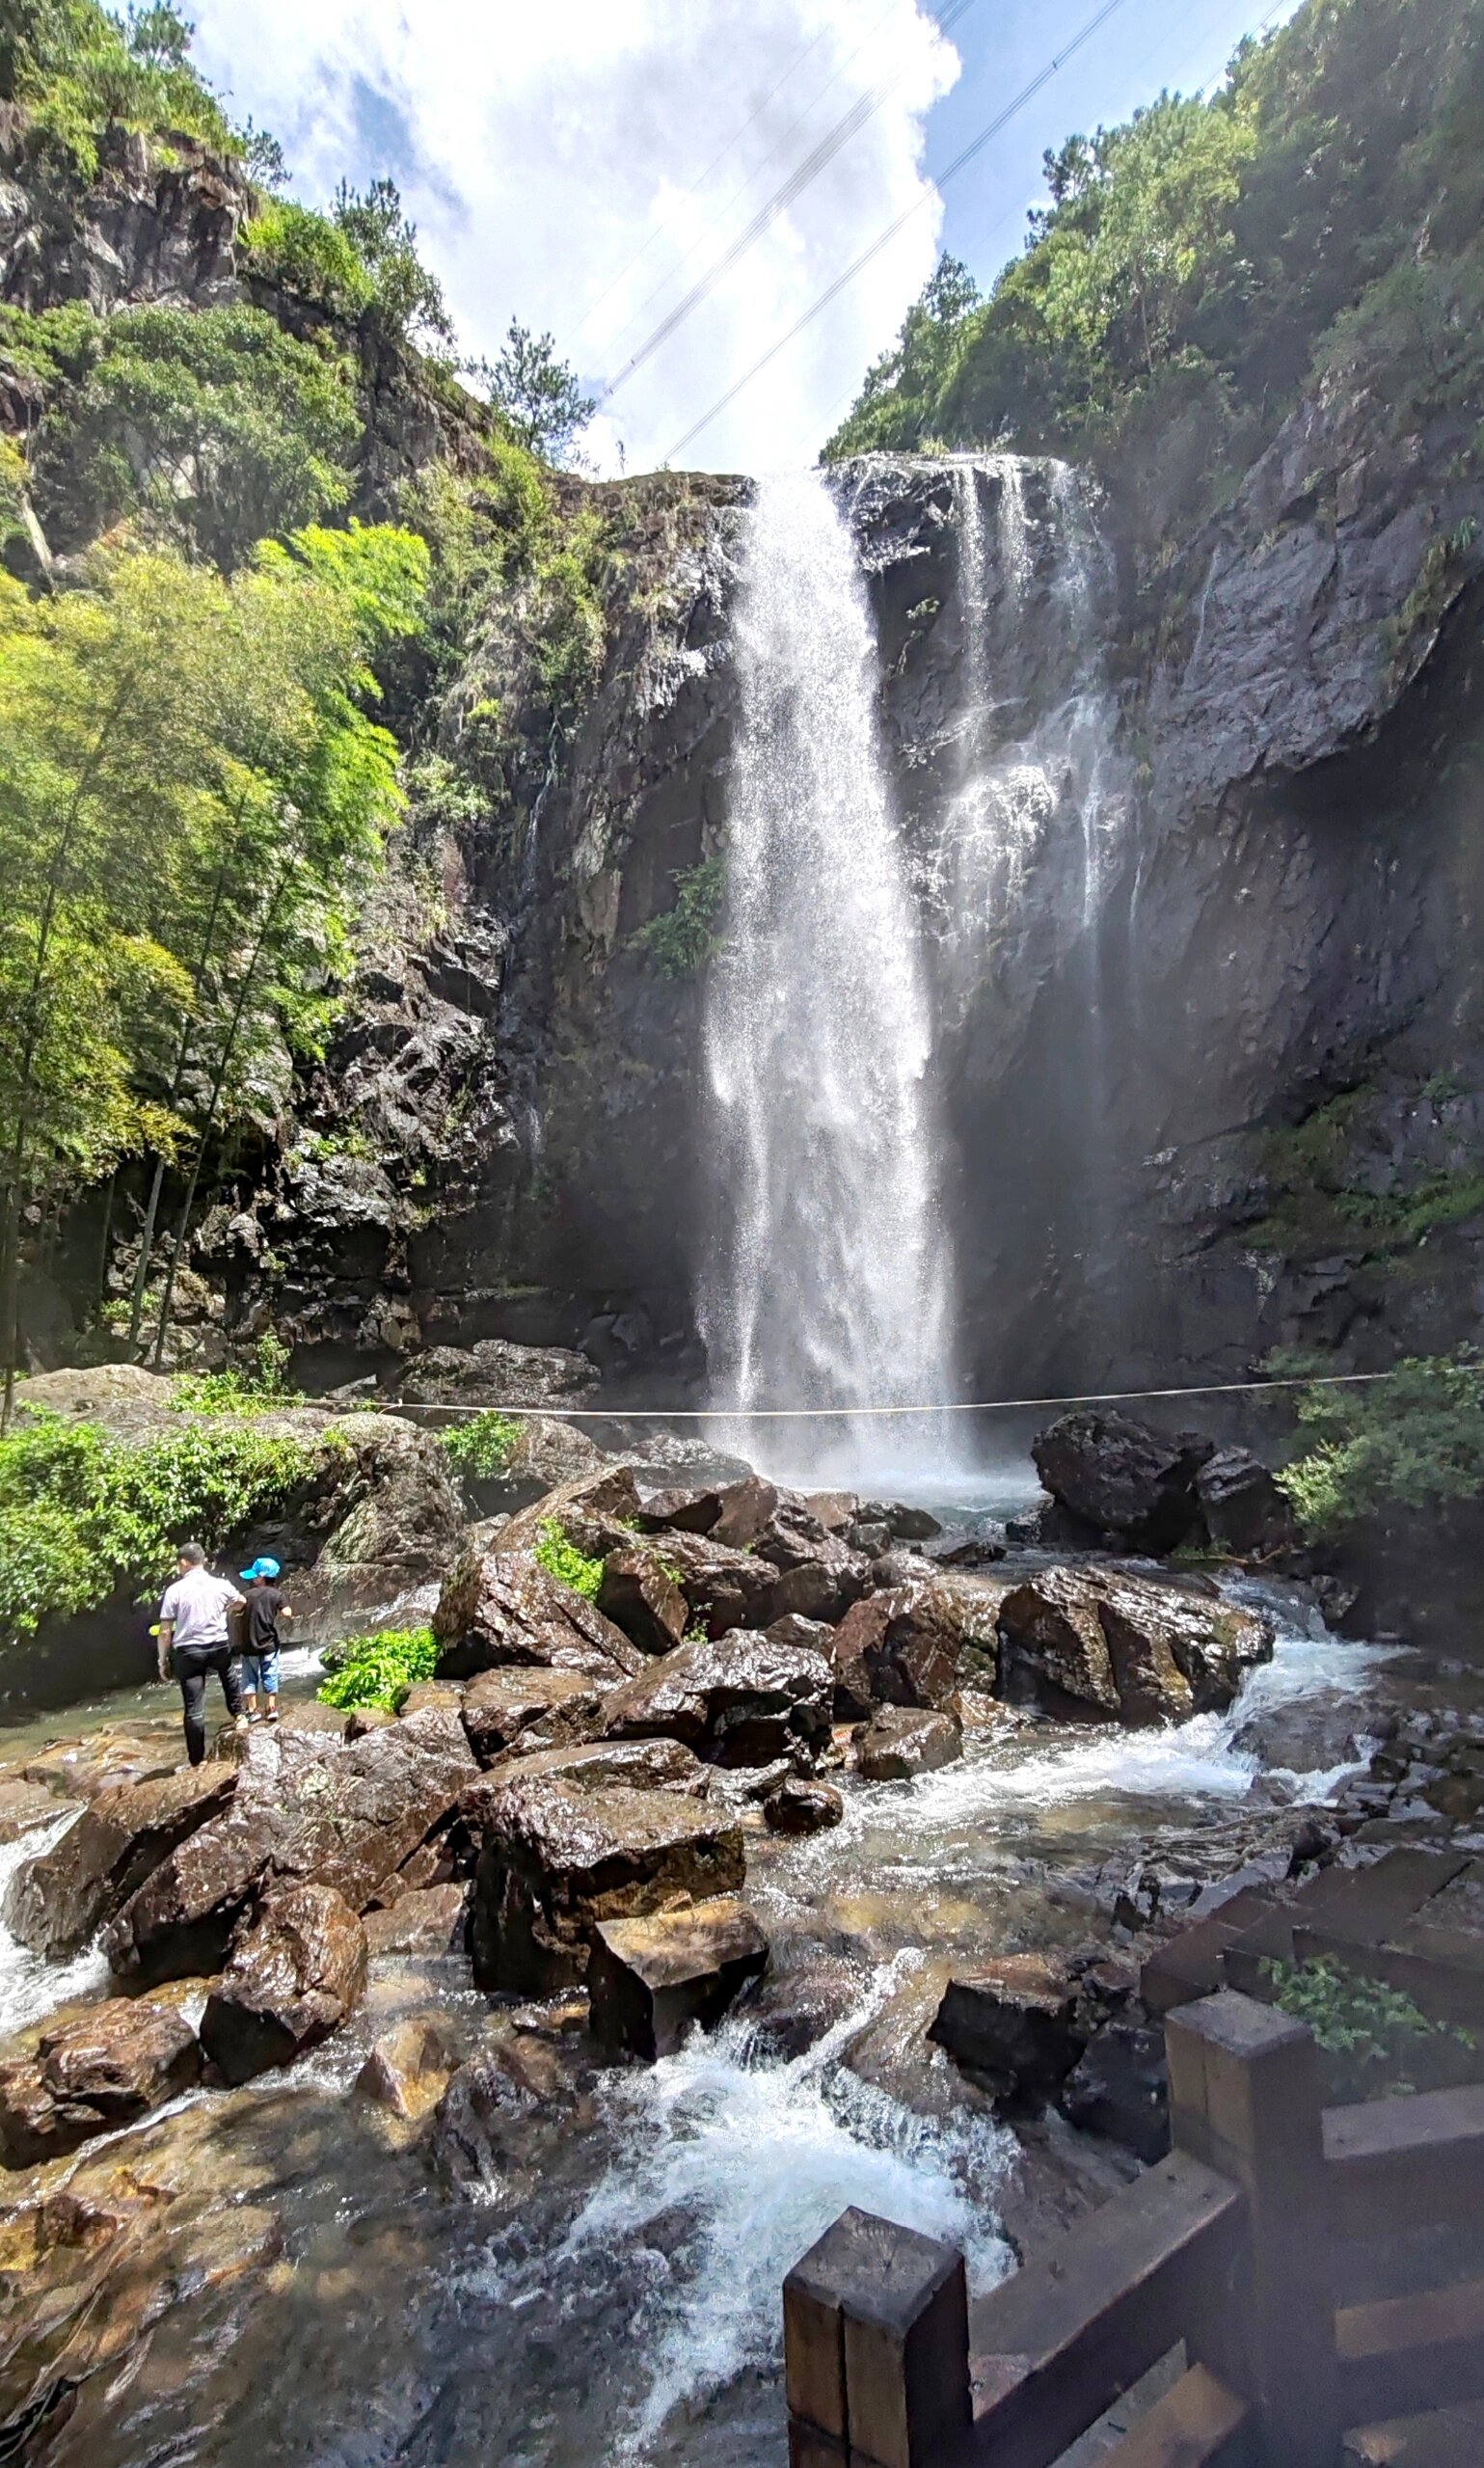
[(482, 1446), (213, 427), (536, 394), (378, 1669), (1372, 2039), (561, 1557), (82, 1514), (192, 794), (1193, 262), (263, 1390), (79, 69), (1412, 1442), (682, 939), (1317, 1197)]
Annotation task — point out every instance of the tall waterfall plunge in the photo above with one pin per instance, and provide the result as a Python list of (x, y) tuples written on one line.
[(830, 1280)]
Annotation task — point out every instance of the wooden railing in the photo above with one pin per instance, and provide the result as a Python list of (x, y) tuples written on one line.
[(1237, 2246)]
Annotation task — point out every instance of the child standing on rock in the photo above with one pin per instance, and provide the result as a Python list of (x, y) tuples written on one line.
[(267, 1609)]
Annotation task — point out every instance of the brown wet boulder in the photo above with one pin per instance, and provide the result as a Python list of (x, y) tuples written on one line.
[(558, 1860), (607, 1498), (740, 1699), (746, 1511), (906, 1647), (1138, 1649), (725, 1588), (501, 1706), (1120, 1478), (900, 1741), (640, 1596), (649, 1980), (799, 1806), (501, 1606), (294, 1976), (345, 1813), (687, 1509), (481, 2125), (1014, 2019), (1246, 1510), (60, 1899), (409, 2067), (105, 2068), (660, 1764), (430, 1919)]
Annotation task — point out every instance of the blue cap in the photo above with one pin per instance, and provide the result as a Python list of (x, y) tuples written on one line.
[(260, 1568)]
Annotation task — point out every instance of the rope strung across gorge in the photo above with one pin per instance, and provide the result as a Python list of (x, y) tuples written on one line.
[(839, 1413)]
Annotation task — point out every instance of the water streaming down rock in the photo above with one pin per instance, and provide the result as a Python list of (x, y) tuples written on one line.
[(829, 1283)]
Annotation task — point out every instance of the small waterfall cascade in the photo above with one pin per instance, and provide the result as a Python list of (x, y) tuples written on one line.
[(829, 1283)]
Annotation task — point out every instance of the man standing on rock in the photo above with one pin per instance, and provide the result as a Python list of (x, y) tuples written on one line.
[(193, 1635)]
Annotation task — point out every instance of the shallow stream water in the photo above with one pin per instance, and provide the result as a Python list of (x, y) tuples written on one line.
[(612, 2291)]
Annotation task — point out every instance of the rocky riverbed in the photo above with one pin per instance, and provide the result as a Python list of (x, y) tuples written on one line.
[(463, 2083)]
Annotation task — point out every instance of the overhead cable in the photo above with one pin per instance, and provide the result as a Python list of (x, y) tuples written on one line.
[(885, 240)]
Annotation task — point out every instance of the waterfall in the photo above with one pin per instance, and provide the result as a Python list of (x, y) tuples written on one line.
[(829, 1283)]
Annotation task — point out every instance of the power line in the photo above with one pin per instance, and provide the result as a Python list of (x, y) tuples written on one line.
[(856, 1412), (713, 221), (799, 179), (885, 240)]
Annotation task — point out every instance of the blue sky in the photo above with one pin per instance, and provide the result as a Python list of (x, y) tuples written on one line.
[(586, 168)]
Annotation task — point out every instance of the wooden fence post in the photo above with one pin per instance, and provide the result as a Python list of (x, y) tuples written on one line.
[(1244, 2087), (876, 2345)]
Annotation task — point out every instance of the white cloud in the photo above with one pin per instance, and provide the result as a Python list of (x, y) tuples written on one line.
[(541, 147)]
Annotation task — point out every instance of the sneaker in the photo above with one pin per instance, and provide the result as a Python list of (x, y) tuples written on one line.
[(240, 1723)]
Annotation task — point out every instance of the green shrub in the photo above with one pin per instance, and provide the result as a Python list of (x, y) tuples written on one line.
[(683, 938), (309, 254), (378, 1669), (81, 1514), (561, 1557), (77, 69), (1372, 2036), (482, 1446), (261, 1390), (1413, 1441)]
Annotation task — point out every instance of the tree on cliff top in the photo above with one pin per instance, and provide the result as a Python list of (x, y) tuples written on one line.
[(540, 397)]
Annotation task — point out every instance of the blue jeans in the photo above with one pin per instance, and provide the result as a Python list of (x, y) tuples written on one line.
[(261, 1672)]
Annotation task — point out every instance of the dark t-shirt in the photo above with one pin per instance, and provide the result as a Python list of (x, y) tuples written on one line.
[(263, 1606)]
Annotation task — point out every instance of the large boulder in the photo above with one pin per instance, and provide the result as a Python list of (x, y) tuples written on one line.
[(481, 2126), (640, 1596), (556, 1860), (1140, 1650), (106, 2068), (740, 1699), (1118, 1476), (500, 1706), (902, 1741), (431, 1919), (345, 1814), (409, 2067), (650, 1980), (607, 1498), (1247, 1513), (906, 1647), (393, 1516), (724, 1587), (501, 1606), (797, 1803), (294, 1976), (65, 1895), (1016, 2020)]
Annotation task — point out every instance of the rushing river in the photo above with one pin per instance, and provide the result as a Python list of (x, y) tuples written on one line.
[(611, 2291)]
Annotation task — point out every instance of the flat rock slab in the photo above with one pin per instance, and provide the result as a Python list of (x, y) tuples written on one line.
[(558, 1862), (1014, 2019), (105, 2068), (650, 1980), (23, 1806), (501, 1705), (596, 1765), (345, 1814), (294, 1976), (60, 1899)]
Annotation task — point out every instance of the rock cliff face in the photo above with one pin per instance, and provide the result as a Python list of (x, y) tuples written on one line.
[(1197, 835)]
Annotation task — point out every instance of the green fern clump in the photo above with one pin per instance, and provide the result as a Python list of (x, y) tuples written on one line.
[(483, 1447), (561, 1558), (377, 1671), (1372, 2035)]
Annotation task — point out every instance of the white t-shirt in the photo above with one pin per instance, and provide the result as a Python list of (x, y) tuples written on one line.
[(195, 1607)]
